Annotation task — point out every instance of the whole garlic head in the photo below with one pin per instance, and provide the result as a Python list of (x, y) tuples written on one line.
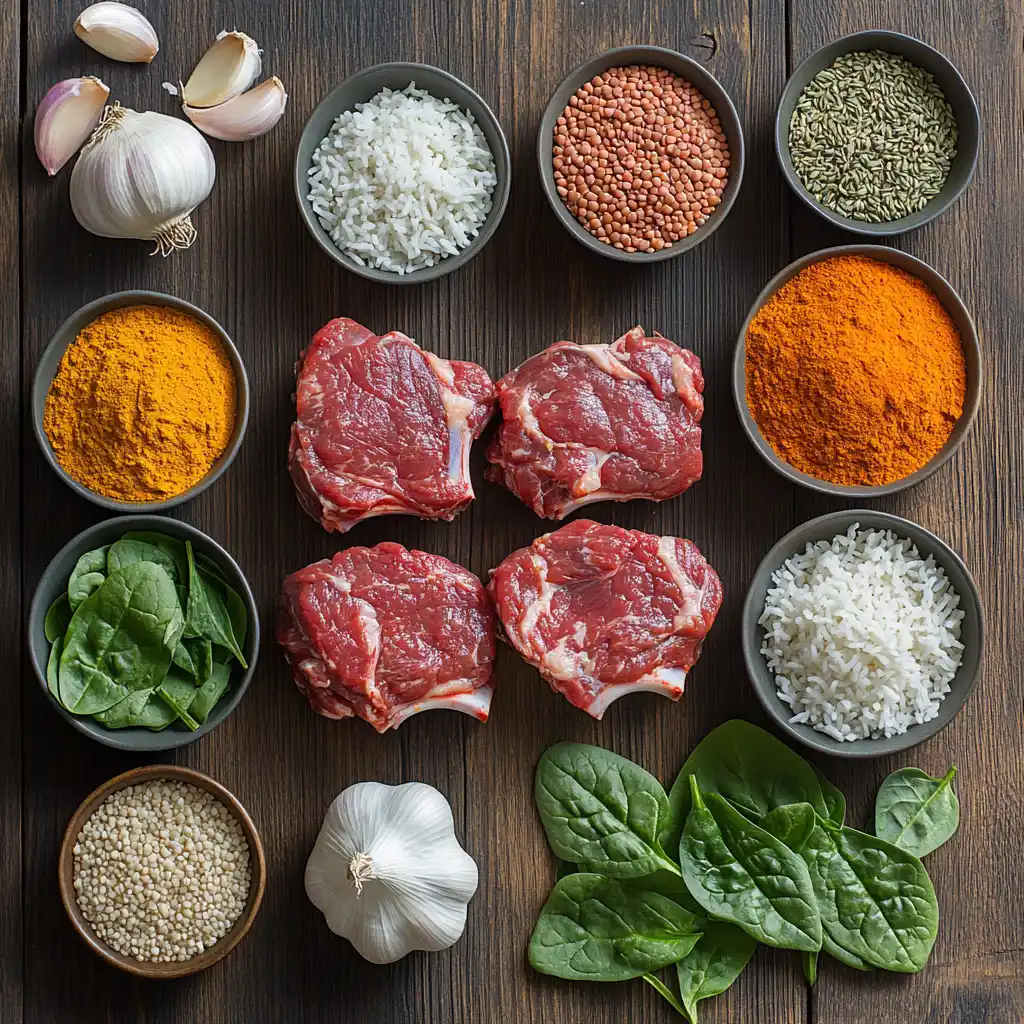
[(388, 873)]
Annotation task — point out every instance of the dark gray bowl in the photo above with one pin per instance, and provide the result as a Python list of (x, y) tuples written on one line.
[(972, 631), (947, 295), (50, 360), (363, 86), (54, 582), (693, 72), (949, 80)]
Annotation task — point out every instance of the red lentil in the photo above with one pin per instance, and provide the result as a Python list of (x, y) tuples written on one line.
[(640, 158)]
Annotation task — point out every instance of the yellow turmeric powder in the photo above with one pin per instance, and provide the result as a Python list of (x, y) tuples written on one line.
[(142, 404), (855, 372)]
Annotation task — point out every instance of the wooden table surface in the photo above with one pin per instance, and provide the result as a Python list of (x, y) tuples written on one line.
[(257, 271)]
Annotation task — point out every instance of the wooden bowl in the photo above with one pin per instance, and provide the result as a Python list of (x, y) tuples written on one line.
[(257, 866)]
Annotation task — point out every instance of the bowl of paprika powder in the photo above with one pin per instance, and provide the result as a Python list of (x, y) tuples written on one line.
[(857, 372), (140, 401)]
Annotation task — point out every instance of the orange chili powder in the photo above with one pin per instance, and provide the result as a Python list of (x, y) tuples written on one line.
[(855, 372)]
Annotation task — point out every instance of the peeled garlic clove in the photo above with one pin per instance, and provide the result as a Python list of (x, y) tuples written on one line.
[(118, 31), (245, 117), (65, 118), (227, 69)]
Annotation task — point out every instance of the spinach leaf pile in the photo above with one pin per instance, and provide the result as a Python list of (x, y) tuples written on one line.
[(749, 846), (145, 636)]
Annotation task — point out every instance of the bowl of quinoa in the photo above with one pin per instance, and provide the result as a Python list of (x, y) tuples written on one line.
[(161, 871)]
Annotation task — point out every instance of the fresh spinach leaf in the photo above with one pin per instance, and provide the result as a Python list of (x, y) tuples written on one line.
[(810, 966), (594, 929), (178, 707), (127, 551), (740, 873), (58, 618), (53, 667), (916, 812), (601, 810), (120, 639), (194, 656), (211, 692), (125, 713), (89, 573), (182, 657), (717, 960), (171, 546), (210, 567), (208, 613), (833, 797), (753, 770)]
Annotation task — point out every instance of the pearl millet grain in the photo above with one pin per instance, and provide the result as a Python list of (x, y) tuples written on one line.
[(161, 871)]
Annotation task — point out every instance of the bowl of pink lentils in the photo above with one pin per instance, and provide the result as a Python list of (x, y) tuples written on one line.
[(640, 153)]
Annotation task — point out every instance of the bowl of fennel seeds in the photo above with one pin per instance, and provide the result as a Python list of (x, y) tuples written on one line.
[(877, 132)]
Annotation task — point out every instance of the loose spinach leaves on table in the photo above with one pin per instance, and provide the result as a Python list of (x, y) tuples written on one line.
[(916, 812), (761, 842)]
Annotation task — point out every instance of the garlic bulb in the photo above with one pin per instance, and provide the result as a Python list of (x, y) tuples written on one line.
[(117, 31), (227, 69), (244, 117), (388, 873), (65, 118), (140, 176)]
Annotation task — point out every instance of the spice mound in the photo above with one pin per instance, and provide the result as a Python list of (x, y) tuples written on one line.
[(640, 158), (872, 137), (161, 871), (142, 404), (855, 372)]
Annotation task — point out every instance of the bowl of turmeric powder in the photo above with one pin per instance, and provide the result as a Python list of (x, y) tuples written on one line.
[(140, 401), (857, 371)]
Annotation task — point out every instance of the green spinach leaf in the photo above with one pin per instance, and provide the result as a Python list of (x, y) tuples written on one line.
[(740, 873), (208, 614), (53, 668), (753, 770), (179, 708), (89, 573), (58, 618), (916, 812), (717, 960), (120, 639), (171, 546), (594, 929), (833, 797), (127, 551), (601, 810), (211, 692), (125, 713)]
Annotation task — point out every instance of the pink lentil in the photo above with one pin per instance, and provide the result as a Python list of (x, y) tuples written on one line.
[(640, 158)]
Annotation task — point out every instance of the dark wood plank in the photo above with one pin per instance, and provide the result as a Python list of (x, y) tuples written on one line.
[(977, 970)]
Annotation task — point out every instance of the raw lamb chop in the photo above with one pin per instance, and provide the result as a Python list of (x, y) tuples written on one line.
[(601, 612), (384, 633), (586, 423), (383, 427)]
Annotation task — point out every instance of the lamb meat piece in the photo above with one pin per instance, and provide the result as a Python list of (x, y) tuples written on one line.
[(585, 423), (601, 611), (385, 632), (383, 427)]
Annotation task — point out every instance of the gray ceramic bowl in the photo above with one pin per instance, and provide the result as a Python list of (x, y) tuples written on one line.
[(965, 110), (972, 631), (693, 72), (363, 86), (972, 355), (54, 582), (50, 360)]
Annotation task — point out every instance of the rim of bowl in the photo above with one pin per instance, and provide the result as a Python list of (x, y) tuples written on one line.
[(970, 344), (936, 206), (141, 297), (257, 874), (120, 739), (707, 85), (755, 664), (499, 198)]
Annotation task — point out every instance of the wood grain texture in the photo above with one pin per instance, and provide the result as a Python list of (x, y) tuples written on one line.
[(255, 269)]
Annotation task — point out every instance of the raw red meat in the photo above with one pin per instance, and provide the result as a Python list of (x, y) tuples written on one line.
[(383, 427), (384, 633), (584, 423), (601, 612)]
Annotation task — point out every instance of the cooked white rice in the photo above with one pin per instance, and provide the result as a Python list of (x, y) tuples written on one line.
[(862, 634), (402, 181)]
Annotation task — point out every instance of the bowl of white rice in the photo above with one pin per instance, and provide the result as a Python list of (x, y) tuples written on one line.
[(402, 173), (863, 634)]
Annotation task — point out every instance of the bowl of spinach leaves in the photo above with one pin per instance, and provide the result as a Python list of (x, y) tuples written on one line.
[(144, 633)]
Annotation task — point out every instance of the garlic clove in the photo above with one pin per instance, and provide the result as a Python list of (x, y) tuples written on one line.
[(65, 118), (246, 116), (227, 69), (118, 31)]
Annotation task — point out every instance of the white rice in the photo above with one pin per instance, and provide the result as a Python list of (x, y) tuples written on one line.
[(862, 635), (402, 181)]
